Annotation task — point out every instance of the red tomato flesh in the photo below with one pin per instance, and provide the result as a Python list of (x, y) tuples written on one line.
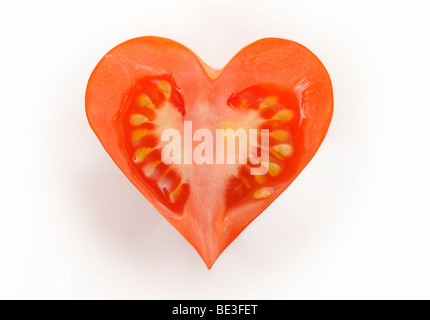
[(147, 85)]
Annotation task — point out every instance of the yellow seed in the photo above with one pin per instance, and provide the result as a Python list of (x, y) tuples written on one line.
[(144, 101), (260, 179), (140, 154), (163, 176), (139, 134), (263, 193), (285, 115), (272, 168), (279, 135), (285, 150), (269, 102), (136, 119), (149, 169), (165, 87), (174, 195)]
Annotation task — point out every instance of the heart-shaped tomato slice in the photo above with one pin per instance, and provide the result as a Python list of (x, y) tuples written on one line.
[(146, 86)]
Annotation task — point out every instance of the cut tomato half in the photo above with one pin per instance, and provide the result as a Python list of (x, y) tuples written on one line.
[(275, 89)]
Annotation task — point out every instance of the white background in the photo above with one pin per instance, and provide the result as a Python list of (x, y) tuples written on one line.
[(355, 223)]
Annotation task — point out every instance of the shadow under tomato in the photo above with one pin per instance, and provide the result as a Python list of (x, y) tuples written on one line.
[(115, 213)]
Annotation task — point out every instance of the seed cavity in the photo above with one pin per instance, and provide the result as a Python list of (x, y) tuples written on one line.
[(263, 193)]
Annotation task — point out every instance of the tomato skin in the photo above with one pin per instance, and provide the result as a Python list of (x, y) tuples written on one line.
[(267, 67)]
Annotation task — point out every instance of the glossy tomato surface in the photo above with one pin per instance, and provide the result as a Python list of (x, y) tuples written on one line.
[(148, 85)]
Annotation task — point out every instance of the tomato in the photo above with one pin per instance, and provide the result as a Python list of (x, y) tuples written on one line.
[(146, 86)]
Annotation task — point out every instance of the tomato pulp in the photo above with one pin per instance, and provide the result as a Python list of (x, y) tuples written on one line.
[(275, 90)]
